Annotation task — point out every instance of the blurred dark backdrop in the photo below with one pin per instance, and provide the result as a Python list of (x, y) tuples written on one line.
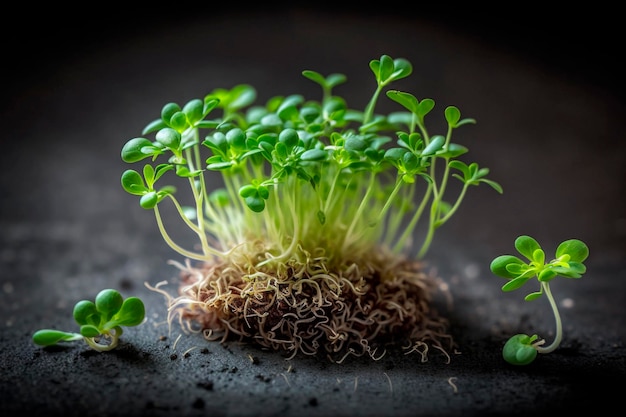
[(584, 43)]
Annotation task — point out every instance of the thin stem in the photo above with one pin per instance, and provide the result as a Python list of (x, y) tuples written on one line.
[(101, 347), (369, 110), (181, 212), (332, 190), (416, 216), (286, 253), (198, 197), (557, 318), (390, 199), (454, 208), (177, 248), (359, 212)]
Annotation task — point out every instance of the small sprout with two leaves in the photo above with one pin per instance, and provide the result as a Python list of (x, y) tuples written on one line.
[(100, 322), (522, 349)]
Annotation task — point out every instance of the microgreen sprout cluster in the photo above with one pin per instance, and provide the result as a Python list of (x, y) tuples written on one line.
[(568, 261), (100, 321), (312, 192)]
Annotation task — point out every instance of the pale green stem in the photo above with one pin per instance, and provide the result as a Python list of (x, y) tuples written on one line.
[(359, 212), (331, 191), (454, 208), (369, 110), (438, 193), (177, 248), (557, 317), (286, 254), (101, 347), (390, 199), (411, 226), (431, 232), (198, 196), (188, 222)]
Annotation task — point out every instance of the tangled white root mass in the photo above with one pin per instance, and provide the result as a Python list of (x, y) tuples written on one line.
[(310, 307)]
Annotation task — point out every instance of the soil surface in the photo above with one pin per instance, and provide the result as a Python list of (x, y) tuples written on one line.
[(549, 108)]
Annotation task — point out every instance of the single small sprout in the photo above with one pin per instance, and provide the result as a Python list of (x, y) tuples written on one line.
[(100, 322), (522, 349)]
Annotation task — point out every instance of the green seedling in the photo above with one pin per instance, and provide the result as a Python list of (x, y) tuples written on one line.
[(100, 322), (300, 206), (568, 261)]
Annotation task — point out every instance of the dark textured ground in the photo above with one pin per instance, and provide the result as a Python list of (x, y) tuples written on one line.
[(550, 111)]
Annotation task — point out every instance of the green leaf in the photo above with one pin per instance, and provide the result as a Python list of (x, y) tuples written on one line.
[(499, 265), (209, 105), (382, 68), (162, 169), (333, 80), (134, 150), (539, 256), (313, 155), (566, 272), (255, 203), (263, 191), (238, 97), (453, 150), (515, 283), (315, 77), (327, 83), (547, 274), (410, 162), (533, 296), (109, 302), (355, 144), (153, 126), (526, 245), (248, 191), (85, 312), (89, 330), (395, 154), (178, 122), (577, 267), (217, 143), (194, 111), (168, 111), (49, 337), (387, 69), (184, 172), (148, 175), (496, 186), (236, 138), (407, 100), (289, 137), (149, 200), (424, 107), (133, 183), (403, 68), (518, 350), (575, 248), (452, 115), (169, 138), (288, 109), (461, 166), (435, 144), (309, 114), (131, 313)]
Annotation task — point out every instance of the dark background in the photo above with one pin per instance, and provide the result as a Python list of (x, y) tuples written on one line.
[(583, 44), (546, 88)]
